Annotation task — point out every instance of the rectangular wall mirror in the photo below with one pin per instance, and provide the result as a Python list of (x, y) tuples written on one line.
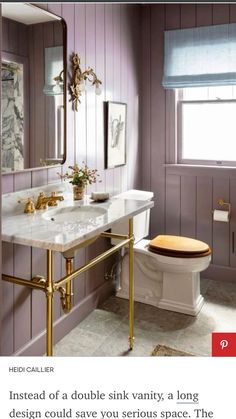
[(33, 88)]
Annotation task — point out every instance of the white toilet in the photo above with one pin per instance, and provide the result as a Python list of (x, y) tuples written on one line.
[(166, 269)]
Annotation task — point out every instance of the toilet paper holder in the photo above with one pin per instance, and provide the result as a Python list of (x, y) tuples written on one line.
[(221, 202)]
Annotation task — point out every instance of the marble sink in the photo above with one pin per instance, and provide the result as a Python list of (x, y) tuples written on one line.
[(80, 214), (67, 226)]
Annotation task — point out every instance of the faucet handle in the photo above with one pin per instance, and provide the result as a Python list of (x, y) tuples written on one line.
[(54, 198), (40, 204), (29, 205)]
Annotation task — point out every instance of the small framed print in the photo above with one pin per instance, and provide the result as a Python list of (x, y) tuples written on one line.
[(116, 134)]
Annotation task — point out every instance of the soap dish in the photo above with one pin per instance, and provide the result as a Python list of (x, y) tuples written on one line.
[(99, 196)]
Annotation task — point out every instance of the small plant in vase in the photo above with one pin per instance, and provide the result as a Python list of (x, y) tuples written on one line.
[(80, 177)]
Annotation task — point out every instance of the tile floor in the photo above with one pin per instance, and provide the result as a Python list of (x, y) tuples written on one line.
[(104, 332)]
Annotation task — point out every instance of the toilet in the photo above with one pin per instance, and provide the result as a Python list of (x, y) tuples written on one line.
[(166, 268)]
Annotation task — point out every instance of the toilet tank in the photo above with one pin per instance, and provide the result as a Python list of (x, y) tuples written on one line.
[(141, 221)]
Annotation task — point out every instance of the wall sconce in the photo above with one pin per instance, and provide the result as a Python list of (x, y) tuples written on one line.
[(79, 78)]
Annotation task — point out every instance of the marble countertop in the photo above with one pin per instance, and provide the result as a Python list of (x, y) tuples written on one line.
[(42, 229)]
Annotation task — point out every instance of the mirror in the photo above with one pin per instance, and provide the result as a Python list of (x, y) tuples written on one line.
[(33, 87)]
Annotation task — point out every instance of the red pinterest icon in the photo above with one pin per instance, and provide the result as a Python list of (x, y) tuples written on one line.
[(223, 344)]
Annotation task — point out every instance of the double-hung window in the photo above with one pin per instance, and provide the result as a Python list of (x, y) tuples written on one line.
[(200, 64), (206, 126)]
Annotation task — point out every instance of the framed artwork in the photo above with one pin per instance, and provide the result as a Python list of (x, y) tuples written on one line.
[(115, 134)]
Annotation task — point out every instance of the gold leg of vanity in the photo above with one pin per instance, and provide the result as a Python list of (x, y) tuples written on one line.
[(131, 285), (49, 296), (48, 286), (69, 286)]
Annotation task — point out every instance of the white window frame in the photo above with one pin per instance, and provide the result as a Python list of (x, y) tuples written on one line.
[(206, 162)]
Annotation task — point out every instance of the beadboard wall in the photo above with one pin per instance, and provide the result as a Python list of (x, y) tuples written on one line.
[(107, 39), (184, 196)]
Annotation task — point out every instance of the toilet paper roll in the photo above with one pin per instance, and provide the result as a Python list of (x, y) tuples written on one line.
[(219, 215)]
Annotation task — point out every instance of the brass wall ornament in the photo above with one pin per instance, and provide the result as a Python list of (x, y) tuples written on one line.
[(79, 79)]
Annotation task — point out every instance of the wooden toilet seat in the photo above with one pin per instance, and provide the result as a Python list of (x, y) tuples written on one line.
[(179, 246)]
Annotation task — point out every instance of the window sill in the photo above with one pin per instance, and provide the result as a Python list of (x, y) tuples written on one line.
[(195, 169)]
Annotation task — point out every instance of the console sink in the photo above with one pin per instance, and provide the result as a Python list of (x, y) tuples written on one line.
[(80, 214)]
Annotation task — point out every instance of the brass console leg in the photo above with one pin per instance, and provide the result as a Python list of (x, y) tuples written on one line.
[(49, 296), (131, 286), (69, 286)]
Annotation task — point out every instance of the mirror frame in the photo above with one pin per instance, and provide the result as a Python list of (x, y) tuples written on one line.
[(64, 28)]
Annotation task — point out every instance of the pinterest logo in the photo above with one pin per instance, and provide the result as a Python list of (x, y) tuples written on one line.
[(223, 344)]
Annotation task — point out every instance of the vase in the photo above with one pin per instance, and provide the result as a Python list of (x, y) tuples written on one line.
[(78, 192)]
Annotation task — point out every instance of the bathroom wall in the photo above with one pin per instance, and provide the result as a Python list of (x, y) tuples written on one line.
[(107, 39), (184, 196), (0, 169)]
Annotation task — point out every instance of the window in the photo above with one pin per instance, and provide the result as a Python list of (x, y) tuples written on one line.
[(207, 125)]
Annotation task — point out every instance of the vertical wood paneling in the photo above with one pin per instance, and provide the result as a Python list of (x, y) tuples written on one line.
[(90, 96), (157, 120), (117, 78), (173, 194), (7, 336), (146, 95), (134, 163), (7, 183), (100, 69), (220, 13), (173, 21), (220, 229), (107, 38), (188, 15), (0, 184), (80, 137), (172, 16), (188, 206), (39, 178), (38, 298), (109, 76), (80, 117), (68, 13), (204, 209), (232, 13), (125, 82), (22, 297), (204, 14)]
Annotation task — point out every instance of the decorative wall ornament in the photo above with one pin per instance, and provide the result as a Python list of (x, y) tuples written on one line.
[(79, 79), (116, 134)]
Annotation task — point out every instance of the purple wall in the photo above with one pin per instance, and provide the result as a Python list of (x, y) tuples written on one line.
[(184, 196), (107, 39), (0, 169)]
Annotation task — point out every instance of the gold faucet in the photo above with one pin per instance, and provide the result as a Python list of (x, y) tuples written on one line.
[(44, 201), (29, 205)]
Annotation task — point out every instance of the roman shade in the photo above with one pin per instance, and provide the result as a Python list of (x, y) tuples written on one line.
[(203, 56)]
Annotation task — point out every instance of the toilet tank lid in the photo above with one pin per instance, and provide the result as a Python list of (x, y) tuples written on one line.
[(136, 194)]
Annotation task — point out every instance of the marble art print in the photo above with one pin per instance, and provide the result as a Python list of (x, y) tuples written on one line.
[(12, 117)]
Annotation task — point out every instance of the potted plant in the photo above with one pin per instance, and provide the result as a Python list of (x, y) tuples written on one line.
[(80, 176)]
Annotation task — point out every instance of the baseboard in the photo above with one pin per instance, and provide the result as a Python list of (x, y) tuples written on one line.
[(220, 273), (62, 326)]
